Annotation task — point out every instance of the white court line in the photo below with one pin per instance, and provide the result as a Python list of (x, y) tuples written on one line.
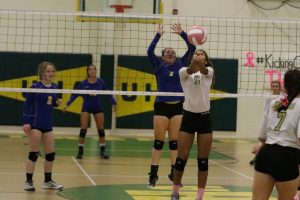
[(83, 171), (234, 171)]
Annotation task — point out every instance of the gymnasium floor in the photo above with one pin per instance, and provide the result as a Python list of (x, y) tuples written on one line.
[(124, 175)]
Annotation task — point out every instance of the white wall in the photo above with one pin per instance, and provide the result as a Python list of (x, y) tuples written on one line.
[(213, 8), (57, 5), (249, 109), (233, 8)]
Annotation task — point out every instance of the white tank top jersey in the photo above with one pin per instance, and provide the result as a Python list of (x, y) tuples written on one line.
[(196, 90), (282, 128)]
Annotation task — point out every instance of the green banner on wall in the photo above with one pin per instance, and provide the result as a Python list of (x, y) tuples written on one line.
[(19, 70)]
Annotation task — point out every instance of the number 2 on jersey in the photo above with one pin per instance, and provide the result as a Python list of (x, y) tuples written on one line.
[(49, 102)]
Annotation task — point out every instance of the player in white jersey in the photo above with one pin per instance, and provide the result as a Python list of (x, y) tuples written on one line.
[(276, 90), (196, 81), (278, 156)]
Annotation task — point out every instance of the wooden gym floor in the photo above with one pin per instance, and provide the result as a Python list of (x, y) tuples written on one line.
[(124, 175)]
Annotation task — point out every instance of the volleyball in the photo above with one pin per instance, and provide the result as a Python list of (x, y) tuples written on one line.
[(197, 35)]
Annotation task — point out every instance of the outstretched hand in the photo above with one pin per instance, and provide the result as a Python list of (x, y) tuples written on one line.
[(160, 29), (58, 101), (195, 66), (176, 28), (65, 108)]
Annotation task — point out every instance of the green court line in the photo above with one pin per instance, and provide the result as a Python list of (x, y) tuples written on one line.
[(160, 192)]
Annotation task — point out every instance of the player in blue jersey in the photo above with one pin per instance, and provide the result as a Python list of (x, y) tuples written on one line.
[(167, 109), (277, 160), (38, 125), (91, 105)]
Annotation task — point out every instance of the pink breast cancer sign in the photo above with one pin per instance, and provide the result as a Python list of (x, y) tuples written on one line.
[(272, 74), (250, 57)]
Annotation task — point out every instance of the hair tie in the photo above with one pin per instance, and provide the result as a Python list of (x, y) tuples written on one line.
[(284, 101)]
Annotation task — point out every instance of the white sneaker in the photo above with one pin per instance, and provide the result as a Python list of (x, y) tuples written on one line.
[(175, 196), (52, 185), (29, 186)]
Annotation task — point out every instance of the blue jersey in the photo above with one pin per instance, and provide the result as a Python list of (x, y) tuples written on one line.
[(167, 76), (38, 107), (91, 103)]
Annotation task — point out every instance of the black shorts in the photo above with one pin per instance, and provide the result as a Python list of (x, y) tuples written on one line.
[(42, 130), (196, 122), (168, 109), (278, 161)]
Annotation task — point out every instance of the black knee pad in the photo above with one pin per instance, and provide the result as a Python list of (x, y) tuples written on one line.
[(50, 157), (101, 133), (180, 164), (82, 133), (33, 156), (202, 164), (173, 145), (158, 145)]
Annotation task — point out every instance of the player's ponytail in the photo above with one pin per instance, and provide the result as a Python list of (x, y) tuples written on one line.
[(292, 87)]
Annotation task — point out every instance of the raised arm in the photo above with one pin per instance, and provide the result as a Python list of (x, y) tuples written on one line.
[(191, 48), (150, 52)]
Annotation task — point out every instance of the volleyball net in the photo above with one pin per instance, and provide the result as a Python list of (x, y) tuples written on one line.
[(256, 51), (247, 54)]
